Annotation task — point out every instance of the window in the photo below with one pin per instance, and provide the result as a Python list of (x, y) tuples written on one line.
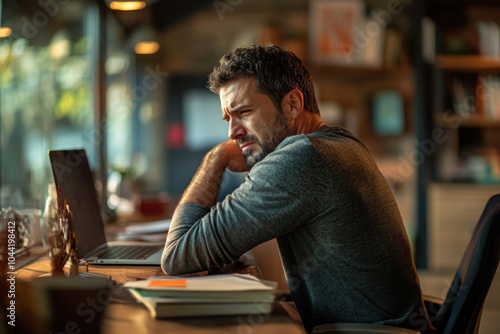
[(46, 95)]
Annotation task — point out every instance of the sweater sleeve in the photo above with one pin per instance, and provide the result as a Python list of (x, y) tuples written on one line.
[(276, 197)]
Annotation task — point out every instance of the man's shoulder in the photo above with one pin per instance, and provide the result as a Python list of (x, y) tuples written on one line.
[(295, 143), (328, 133), (333, 132)]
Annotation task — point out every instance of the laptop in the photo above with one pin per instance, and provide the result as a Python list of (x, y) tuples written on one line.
[(73, 177)]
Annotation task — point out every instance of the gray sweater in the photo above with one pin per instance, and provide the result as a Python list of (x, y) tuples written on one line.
[(341, 238)]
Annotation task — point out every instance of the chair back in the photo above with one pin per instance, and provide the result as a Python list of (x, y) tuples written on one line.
[(463, 304)]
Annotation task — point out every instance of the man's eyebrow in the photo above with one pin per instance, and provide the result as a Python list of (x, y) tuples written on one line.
[(232, 111)]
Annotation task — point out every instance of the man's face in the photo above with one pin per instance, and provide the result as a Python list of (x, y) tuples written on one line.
[(255, 124)]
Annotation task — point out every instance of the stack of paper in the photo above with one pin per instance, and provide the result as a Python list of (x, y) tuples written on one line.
[(236, 294), (150, 231)]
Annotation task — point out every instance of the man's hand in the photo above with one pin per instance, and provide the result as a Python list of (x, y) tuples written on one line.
[(205, 185), (237, 162)]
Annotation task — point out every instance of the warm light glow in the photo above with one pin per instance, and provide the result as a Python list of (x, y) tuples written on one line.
[(60, 49), (5, 32), (146, 48), (127, 5)]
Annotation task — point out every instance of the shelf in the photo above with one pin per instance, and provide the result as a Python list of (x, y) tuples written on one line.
[(435, 3), (338, 71), (468, 63), (471, 121)]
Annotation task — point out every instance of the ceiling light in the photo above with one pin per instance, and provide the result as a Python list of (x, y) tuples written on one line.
[(127, 5), (5, 32), (144, 40), (146, 48)]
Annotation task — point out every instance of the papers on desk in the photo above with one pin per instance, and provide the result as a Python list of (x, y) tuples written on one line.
[(151, 231), (236, 294)]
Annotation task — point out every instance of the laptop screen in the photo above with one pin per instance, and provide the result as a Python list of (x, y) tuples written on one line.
[(73, 177)]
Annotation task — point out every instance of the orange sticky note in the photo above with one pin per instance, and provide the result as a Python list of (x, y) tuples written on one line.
[(180, 283)]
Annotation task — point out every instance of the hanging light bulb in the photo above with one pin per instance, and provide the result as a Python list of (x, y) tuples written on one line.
[(127, 5), (146, 47), (145, 40)]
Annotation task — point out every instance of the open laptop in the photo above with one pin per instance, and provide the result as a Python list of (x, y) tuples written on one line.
[(73, 177)]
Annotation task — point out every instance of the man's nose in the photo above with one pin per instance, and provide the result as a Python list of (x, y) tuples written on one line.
[(236, 130)]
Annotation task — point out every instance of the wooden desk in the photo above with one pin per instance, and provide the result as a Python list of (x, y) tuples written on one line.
[(124, 315)]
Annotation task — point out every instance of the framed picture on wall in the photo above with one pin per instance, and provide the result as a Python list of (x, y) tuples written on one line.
[(334, 25)]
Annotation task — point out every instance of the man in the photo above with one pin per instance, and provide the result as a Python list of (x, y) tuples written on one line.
[(313, 187)]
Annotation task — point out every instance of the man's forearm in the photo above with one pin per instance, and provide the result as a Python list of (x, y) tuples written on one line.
[(205, 185), (178, 256)]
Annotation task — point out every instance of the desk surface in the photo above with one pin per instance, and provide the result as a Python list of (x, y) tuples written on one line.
[(125, 315)]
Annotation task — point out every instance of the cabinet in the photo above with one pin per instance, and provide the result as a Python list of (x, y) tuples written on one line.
[(454, 210)]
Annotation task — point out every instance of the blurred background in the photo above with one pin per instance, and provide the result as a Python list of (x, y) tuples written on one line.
[(418, 82)]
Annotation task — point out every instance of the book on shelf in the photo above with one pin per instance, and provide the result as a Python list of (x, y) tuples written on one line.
[(463, 95), (392, 48), (487, 94), (477, 95), (231, 294), (492, 96), (429, 40), (489, 38)]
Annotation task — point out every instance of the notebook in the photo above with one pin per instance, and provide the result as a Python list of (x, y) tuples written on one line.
[(73, 177)]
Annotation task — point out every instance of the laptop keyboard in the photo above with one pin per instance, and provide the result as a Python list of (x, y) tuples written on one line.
[(127, 252)]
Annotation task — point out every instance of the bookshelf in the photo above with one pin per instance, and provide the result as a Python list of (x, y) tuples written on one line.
[(467, 97), (471, 121), (458, 96), (469, 63), (359, 72)]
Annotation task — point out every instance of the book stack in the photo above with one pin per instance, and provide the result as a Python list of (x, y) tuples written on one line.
[(235, 294)]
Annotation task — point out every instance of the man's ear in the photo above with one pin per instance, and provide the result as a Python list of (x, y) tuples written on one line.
[(293, 103)]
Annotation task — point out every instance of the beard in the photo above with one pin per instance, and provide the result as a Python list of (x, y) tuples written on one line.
[(272, 136)]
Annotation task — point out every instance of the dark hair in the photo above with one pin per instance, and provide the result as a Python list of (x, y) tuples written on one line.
[(276, 72)]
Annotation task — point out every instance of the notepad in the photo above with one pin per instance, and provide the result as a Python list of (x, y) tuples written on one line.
[(167, 283), (201, 284)]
